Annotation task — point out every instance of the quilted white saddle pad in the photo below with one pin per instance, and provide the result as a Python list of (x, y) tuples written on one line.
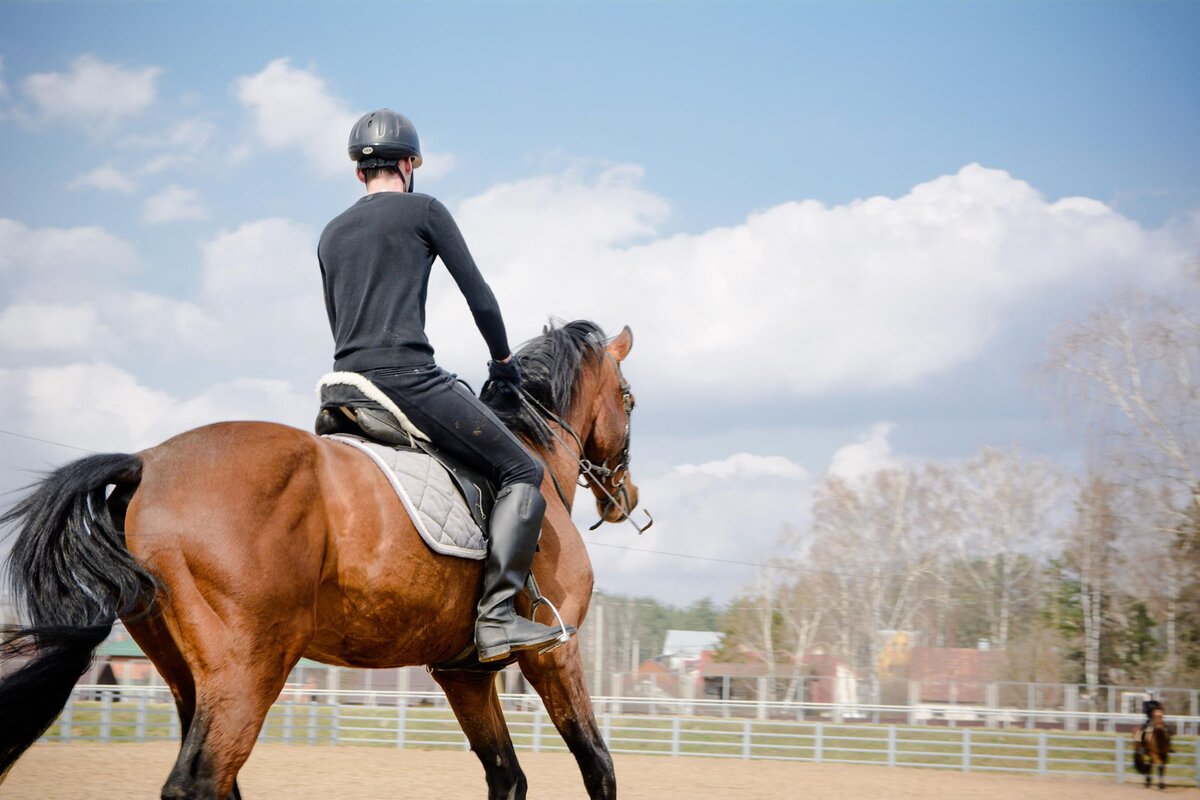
[(428, 493)]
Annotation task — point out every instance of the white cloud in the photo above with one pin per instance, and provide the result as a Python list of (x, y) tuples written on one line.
[(293, 110), (746, 465), (102, 407), (734, 508), (800, 298), (94, 95), (263, 282), (260, 304), (174, 204), (106, 178), (179, 144), (58, 263), (48, 326), (866, 457)]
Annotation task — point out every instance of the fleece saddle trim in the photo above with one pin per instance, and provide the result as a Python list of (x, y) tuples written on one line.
[(429, 495), (364, 385)]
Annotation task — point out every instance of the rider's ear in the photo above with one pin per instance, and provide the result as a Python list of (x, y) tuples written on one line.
[(362, 177), (621, 344)]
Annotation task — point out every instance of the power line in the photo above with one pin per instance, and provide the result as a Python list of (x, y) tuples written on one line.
[(591, 542), (705, 558), (46, 441), (785, 567)]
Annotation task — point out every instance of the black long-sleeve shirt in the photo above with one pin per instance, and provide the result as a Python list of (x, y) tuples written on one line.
[(375, 261)]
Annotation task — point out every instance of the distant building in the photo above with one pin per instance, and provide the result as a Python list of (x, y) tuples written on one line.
[(683, 650), (954, 674)]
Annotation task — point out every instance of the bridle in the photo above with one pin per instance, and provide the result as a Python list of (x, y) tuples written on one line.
[(598, 475)]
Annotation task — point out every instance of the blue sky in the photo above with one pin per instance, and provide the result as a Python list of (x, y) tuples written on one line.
[(716, 159)]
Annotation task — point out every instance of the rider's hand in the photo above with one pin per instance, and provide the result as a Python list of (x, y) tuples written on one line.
[(506, 373), (504, 384)]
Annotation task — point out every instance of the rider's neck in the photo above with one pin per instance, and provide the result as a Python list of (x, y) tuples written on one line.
[(387, 183)]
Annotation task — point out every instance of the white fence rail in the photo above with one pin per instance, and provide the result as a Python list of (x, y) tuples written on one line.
[(422, 719)]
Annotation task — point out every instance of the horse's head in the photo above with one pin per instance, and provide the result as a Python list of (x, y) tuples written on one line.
[(606, 449), (576, 401)]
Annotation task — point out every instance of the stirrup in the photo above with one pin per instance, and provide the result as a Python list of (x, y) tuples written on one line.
[(537, 599)]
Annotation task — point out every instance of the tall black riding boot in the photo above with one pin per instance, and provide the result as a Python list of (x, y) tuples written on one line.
[(513, 536)]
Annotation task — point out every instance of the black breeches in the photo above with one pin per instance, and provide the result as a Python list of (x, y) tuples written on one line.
[(458, 423)]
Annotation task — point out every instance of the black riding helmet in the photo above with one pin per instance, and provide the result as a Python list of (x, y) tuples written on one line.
[(382, 138)]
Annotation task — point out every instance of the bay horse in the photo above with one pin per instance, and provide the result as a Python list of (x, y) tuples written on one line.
[(234, 549)]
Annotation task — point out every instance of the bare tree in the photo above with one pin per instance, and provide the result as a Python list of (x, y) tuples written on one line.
[(1130, 372), (1092, 556), (866, 538), (1006, 507)]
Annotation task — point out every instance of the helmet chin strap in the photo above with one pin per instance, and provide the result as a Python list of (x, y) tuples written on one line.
[(412, 176)]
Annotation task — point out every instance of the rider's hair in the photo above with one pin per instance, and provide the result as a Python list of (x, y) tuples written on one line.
[(376, 172)]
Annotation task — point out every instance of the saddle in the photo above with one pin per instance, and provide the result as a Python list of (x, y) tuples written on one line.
[(352, 404)]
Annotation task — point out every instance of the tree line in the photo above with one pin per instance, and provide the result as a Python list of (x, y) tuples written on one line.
[(1085, 573)]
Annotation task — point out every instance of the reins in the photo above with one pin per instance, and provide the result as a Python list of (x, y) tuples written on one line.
[(591, 474)]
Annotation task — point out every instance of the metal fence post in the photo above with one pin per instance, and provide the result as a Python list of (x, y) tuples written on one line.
[(1120, 765), (966, 749), (606, 722), (142, 709), (312, 723), (675, 727), (66, 727), (1043, 755), (1196, 745), (537, 730), (335, 721), (173, 725), (106, 705), (818, 742), (745, 738), (289, 717), (891, 755), (401, 720)]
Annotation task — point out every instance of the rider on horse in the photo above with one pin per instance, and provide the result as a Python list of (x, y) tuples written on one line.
[(375, 262)]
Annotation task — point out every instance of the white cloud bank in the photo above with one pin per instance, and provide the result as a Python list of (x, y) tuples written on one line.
[(93, 95), (292, 109), (798, 299), (734, 508), (801, 298), (99, 406), (58, 263)]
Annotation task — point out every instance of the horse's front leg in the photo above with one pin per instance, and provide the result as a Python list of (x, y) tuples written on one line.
[(558, 678), (476, 703)]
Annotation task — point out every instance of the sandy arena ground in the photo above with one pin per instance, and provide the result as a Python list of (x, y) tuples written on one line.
[(118, 772)]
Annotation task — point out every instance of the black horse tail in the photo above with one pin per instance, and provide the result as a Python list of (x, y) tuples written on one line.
[(71, 574)]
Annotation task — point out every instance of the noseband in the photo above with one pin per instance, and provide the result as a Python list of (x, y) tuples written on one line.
[(596, 475)]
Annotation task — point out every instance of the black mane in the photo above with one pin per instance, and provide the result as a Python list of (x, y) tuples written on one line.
[(550, 366)]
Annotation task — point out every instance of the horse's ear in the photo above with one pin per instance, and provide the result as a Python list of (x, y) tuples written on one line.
[(621, 344)]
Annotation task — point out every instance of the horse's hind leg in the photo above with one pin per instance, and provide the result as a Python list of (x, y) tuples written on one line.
[(231, 704), (473, 697), (558, 678), (225, 671)]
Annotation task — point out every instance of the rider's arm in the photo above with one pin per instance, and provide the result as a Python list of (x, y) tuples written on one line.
[(448, 243)]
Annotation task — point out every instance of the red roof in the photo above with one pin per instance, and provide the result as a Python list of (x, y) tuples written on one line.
[(957, 664)]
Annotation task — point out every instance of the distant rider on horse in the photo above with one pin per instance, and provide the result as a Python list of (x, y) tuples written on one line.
[(375, 262)]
